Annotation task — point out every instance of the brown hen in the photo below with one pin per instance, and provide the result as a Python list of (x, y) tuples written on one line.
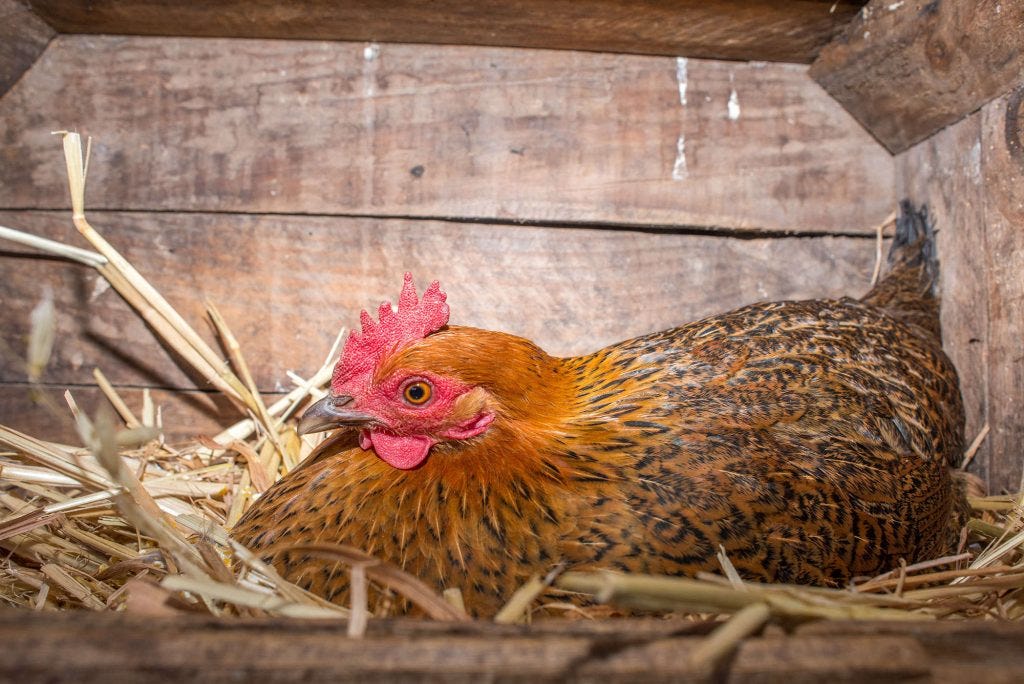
[(813, 440)]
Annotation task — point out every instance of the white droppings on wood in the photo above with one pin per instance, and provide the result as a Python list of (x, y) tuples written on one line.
[(895, 6), (371, 52), (681, 78), (974, 161), (679, 170), (733, 105), (99, 286)]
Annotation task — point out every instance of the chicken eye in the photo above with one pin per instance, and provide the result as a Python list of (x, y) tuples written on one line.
[(418, 393)]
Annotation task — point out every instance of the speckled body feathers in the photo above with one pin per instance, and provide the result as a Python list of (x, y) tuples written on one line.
[(812, 440)]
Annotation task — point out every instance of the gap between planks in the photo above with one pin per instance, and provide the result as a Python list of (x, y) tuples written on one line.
[(749, 233)]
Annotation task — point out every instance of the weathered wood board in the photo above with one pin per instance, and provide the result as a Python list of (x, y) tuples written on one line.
[(906, 69), (431, 131), (23, 37), (287, 284), (99, 647), (972, 175), (790, 31)]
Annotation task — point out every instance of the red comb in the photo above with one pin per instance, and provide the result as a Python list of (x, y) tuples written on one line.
[(415, 319)]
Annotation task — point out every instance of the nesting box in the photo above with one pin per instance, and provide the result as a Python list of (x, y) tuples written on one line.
[(576, 173)]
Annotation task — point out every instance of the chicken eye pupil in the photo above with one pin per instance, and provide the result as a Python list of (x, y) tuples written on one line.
[(417, 393)]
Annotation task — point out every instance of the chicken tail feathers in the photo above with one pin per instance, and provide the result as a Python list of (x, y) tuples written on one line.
[(914, 243), (909, 289)]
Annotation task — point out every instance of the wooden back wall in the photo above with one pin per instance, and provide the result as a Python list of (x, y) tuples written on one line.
[(572, 198)]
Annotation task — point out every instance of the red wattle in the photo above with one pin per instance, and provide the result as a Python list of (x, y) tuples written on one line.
[(404, 453)]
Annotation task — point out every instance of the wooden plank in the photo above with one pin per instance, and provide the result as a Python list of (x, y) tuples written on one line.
[(791, 31), (944, 172), (426, 131), (972, 174), (286, 284), (1002, 145), (85, 646), (906, 69), (958, 651), (23, 37), (185, 414)]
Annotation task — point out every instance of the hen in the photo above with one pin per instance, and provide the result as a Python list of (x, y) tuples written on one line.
[(813, 440)]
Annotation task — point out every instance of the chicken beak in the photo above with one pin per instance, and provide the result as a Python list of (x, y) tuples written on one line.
[(331, 412)]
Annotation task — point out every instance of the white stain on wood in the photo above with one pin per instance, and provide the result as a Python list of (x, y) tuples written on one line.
[(679, 170), (681, 78), (974, 162), (99, 286), (734, 105)]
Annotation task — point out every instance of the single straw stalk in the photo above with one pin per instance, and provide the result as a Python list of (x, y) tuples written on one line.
[(143, 296), (234, 349)]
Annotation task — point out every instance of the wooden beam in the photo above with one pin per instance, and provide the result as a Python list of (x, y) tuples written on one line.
[(906, 69), (286, 284), (972, 176), (485, 134), (97, 647), (791, 31), (23, 37)]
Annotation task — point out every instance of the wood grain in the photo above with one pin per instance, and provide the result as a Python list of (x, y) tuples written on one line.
[(906, 69), (23, 37), (791, 31), (1003, 171), (971, 174), (286, 284), (426, 131), (93, 647), (944, 172)]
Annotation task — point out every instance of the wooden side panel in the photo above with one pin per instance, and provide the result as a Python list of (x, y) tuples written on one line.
[(944, 172), (454, 132), (286, 284), (790, 31), (1002, 146), (23, 37), (906, 69), (972, 175)]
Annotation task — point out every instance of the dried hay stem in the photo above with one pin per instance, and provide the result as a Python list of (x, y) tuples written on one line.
[(879, 242), (382, 572), (82, 256), (136, 504), (726, 638), (115, 399), (230, 593), (72, 586), (648, 592), (49, 455), (242, 367), (143, 296), (215, 372), (975, 445), (517, 609)]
